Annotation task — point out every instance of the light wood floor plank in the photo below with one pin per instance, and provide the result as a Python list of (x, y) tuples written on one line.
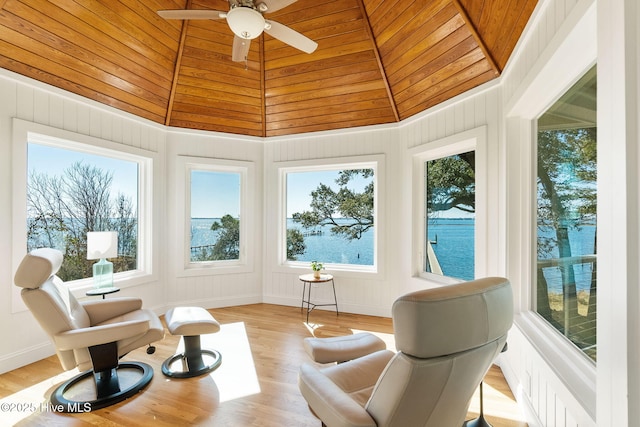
[(256, 385)]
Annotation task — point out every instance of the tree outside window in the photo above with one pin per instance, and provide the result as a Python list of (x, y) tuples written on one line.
[(215, 215), (566, 215), (70, 193), (450, 205), (331, 216)]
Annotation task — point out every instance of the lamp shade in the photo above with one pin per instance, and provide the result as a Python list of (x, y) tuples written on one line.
[(102, 244)]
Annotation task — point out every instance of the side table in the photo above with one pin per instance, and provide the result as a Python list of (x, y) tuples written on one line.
[(308, 279), (102, 291)]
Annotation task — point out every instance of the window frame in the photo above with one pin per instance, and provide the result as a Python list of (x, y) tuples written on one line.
[(471, 140), (25, 132), (375, 162), (566, 61), (184, 266)]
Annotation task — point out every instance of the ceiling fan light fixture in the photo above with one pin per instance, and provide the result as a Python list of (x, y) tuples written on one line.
[(245, 22)]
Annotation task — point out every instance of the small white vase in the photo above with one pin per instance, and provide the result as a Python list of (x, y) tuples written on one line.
[(316, 274)]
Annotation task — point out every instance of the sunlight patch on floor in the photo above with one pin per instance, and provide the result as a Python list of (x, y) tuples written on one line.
[(31, 400), (236, 377), (501, 405)]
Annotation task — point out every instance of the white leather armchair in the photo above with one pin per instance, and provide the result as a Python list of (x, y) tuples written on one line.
[(447, 338), (90, 335)]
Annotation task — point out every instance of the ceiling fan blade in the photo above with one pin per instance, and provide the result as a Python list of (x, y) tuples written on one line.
[(191, 14), (274, 5), (290, 37), (240, 49)]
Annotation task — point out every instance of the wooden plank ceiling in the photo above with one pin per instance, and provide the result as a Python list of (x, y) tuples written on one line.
[(377, 61)]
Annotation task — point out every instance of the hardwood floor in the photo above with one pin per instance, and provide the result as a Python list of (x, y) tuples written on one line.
[(256, 385)]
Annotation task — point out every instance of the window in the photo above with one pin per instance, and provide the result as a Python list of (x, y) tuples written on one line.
[(213, 212), (450, 221), (215, 216), (70, 193), (331, 215), (565, 294), (66, 184), (450, 207)]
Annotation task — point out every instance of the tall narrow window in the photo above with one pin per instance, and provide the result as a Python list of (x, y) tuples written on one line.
[(213, 208), (450, 220), (70, 193), (566, 215), (215, 215)]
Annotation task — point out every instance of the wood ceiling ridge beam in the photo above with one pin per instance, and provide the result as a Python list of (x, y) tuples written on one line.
[(176, 68), (476, 35), (383, 73)]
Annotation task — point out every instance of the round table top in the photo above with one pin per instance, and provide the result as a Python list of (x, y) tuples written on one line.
[(102, 291), (309, 278)]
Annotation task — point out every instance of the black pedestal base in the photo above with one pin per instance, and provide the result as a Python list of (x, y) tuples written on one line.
[(192, 360), (107, 388), (477, 422)]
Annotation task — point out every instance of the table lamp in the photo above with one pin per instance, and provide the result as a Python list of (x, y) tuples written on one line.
[(102, 245)]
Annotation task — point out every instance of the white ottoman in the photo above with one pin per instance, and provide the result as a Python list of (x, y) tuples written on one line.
[(341, 349), (191, 322)]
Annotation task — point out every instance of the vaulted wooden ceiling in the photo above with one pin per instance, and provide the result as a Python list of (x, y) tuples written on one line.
[(377, 61)]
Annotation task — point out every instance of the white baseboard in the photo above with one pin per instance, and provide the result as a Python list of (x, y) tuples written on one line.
[(346, 308), (217, 302), (21, 358)]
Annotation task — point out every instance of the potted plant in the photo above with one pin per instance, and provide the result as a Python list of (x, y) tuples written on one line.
[(316, 267)]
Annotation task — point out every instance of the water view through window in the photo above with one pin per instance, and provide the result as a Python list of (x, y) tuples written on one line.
[(330, 216), (215, 215), (450, 205), (566, 216)]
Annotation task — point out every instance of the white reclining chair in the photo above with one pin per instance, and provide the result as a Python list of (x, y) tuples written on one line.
[(91, 335), (447, 338)]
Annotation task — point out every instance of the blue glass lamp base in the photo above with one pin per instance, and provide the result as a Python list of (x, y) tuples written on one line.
[(103, 274)]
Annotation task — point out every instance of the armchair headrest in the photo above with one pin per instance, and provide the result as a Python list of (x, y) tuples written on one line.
[(37, 266), (450, 319)]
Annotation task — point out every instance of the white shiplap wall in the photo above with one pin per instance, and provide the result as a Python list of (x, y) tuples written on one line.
[(213, 290), (358, 293)]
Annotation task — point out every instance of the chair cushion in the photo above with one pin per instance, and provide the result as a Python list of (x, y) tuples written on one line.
[(337, 394), (190, 321), (341, 349), (450, 319)]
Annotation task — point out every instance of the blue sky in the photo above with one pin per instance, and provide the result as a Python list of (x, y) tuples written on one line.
[(215, 194), (53, 161)]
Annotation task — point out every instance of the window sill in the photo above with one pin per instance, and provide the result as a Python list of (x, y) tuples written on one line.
[(351, 271)]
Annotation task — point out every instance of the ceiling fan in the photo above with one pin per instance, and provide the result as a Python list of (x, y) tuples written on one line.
[(246, 20)]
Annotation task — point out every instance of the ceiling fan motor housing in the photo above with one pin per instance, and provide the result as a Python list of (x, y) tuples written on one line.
[(245, 22)]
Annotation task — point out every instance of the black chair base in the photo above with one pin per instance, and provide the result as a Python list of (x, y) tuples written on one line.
[(106, 387), (477, 422)]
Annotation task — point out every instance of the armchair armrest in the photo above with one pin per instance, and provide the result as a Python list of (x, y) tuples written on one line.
[(102, 310), (329, 402), (87, 337)]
